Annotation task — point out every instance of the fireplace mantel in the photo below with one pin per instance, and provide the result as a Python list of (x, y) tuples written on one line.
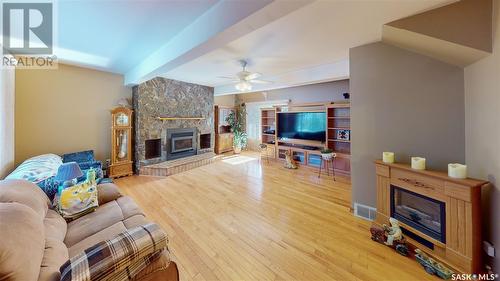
[(462, 199)]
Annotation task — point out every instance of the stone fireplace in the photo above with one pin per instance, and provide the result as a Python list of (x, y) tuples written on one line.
[(178, 135)]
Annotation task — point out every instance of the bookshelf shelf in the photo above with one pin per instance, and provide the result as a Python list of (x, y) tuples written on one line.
[(338, 119)]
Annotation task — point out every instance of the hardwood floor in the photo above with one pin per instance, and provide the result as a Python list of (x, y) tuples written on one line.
[(239, 219)]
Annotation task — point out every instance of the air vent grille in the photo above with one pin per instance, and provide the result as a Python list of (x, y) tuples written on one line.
[(365, 212)]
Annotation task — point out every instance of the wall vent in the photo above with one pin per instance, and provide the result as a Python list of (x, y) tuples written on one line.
[(365, 212)]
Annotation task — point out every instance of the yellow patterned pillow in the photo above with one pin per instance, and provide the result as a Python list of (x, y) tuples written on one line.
[(80, 199)]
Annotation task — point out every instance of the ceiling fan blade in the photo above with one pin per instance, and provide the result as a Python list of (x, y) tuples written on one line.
[(227, 77), (261, 81), (252, 76)]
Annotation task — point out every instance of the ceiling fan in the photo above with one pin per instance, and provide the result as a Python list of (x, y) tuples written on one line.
[(244, 79)]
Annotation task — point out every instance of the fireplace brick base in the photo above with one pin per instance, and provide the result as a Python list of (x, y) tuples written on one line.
[(173, 167)]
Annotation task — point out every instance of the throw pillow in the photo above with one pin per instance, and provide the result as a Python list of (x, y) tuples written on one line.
[(80, 199)]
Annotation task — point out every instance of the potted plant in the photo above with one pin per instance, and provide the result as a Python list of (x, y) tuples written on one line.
[(239, 141), (327, 153), (235, 120)]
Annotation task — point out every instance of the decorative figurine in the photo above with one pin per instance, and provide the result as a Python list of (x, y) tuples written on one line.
[(289, 162), (394, 232), (391, 236), (431, 266)]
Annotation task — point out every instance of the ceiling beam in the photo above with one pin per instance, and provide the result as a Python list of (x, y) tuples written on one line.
[(224, 22), (318, 74)]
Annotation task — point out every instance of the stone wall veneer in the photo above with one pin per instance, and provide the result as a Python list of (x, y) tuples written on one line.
[(169, 98)]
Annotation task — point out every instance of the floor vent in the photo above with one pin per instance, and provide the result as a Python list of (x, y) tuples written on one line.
[(365, 212)]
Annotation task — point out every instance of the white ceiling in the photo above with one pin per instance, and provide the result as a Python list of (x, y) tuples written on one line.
[(313, 36), (116, 35), (290, 42)]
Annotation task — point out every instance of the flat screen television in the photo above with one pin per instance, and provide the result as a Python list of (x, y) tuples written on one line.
[(302, 125)]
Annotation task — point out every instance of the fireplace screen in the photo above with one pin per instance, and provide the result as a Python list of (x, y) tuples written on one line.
[(182, 144), (424, 214)]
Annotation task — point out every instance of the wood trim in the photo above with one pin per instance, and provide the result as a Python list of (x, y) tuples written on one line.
[(382, 170), (435, 174), (180, 118), (303, 142)]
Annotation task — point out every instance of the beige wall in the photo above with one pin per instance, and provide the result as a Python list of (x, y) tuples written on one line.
[(226, 100), (482, 127), (465, 22), (65, 110), (7, 81), (403, 102)]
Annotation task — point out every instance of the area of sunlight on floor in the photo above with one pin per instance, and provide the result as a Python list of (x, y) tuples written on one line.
[(238, 159)]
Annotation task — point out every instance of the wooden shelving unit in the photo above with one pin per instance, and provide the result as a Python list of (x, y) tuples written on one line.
[(268, 128), (307, 153), (339, 119), (223, 135)]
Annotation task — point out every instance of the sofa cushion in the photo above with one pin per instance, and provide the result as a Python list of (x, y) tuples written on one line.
[(25, 193), (107, 192), (20, 255), (55, 226), (83, 227), (134, 221), (103, 217), (54, 255), (102, 235), (128, 207)]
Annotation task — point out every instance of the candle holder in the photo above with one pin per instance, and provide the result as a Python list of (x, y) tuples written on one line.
[(388, 157), (457, 171), (418, 163)]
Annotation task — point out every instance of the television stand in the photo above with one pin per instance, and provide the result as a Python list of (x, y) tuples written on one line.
[(308, 155)]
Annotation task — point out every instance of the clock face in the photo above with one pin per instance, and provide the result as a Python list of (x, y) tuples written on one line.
[(121, 119)]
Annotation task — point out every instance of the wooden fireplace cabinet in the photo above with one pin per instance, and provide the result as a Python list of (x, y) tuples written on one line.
[(461, 249)]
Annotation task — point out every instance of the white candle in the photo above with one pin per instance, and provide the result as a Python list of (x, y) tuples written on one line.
[(457, 171), (388, 157), (418, 163)]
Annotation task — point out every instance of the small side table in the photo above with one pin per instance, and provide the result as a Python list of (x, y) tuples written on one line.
[(328, 160)]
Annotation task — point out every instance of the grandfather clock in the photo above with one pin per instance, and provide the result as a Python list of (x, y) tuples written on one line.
[(121, 139)]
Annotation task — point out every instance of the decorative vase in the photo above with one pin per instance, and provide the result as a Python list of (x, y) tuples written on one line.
[(237, 149)]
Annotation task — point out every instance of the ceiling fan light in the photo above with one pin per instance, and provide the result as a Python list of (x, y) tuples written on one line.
[(243, 86)]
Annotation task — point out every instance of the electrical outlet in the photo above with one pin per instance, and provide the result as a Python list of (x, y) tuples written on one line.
[(108, 162), (489, 249)]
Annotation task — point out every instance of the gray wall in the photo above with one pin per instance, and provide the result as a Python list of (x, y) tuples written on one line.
[(406, 103), (482, 104), (328, 91)]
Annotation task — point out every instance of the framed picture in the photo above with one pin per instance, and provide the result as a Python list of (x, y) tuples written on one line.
[(343, 134)]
